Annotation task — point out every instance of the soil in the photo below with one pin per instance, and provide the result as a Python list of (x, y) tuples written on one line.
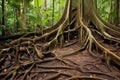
[(50, 68), (89, 62)]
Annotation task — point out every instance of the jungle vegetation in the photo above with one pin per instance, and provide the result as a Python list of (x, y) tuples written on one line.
[(30, 29)]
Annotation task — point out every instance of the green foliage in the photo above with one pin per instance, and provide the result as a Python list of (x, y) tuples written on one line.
[(37, 3), (104, 8), (32, 16), (44, 16), (36, 14), (39, 14), (113, 14)]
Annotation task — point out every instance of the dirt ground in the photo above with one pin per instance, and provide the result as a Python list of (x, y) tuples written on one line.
[(49, 68), (90, 63)]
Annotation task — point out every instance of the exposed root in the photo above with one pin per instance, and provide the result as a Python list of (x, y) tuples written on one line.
[(74, 53), (55, 67), (85, 78), (27, 71), (24, 59), (57, 75), (39, 53)]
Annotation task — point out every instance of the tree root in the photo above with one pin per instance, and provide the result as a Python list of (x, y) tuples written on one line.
[(57, 75), (27, 71), (22, 56), (85, 78), (55, 67)]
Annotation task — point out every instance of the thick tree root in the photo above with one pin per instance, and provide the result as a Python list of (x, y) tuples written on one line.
[(85, 78), (24, 59)]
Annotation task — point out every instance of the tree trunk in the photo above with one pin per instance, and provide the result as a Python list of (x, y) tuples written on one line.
[(17, 13), (114, 12), (79, 19), (88, 25), (53, 9), (117, 17), (24, 10), (44, 6), (3, 17)]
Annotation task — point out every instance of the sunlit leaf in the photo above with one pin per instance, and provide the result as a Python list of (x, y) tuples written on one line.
[(37, 3)]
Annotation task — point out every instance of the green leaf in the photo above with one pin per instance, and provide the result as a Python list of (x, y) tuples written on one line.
[(48, 12), (44, 21), (113, 14), (37, 3), (32, 16), (38, 18)]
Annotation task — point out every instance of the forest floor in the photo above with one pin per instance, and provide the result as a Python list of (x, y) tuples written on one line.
[(81, 64), (89, 62)]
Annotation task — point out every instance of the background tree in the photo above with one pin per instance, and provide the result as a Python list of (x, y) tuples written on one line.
[(114, 12), (3, 17), (117, 11), (21, 15), (31, 53)]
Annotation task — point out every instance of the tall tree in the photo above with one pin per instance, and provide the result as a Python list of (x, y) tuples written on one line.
[(53, 10), (24, 11), (17, 10), (44, 6), (79, 19), (3, 16), (88, 24), (117, 17), (114, 12)]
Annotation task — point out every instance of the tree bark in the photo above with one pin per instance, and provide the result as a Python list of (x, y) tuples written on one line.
[(79, 19), (114, 17), (24, 10), (84, 17), (3, 17), (117, 2)]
